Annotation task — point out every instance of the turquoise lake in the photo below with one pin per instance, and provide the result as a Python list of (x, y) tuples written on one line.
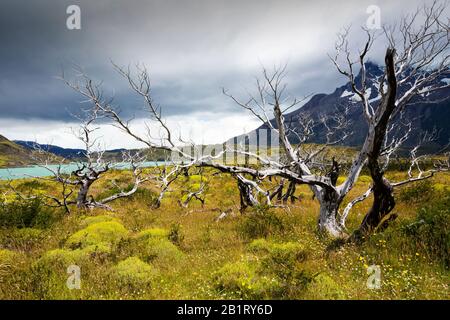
[(37, 171)]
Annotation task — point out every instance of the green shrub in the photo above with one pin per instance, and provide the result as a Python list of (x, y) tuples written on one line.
[(48, 275), (276, 272), (62, 258), (440, 187), (22, 213), (365, 179), (106, 233), (241, 279), (162, 252), (430, 232), (153, 245), (24, 238), (100, 250), (196, 178), (152, 233), (145, 196), (175, 234), (416, 192), (279, 252), (56, 261), (261, 223), (259, 245), (7, 257), (340, 180), (101, 218), (282, 259), (30, 185), (324, 287), (133, 272)]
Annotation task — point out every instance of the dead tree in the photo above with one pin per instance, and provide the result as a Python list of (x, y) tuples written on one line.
[(270, 104), (90, 168), (297, 166), (195, 194), (415, 58), (163, 178), (421, 166)]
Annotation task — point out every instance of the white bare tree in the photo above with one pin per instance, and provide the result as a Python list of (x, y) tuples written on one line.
[(421, 58), (90, 167), (417, 57)]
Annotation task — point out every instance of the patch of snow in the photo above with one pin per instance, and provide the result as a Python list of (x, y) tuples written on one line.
[(424, 91), (446, 80), (346, 93), (356, 98)]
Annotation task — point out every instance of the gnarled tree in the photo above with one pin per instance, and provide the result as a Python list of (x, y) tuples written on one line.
[(421, 58), (89, 168), (416, 59)]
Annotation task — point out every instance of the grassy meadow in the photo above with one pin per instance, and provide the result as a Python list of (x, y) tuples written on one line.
[(136, 252)]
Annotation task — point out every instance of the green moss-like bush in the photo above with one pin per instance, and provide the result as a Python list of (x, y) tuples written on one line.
[(98, 250), (276, 272), (440, 187), (416, 192), (24, 238), (261, 223), (108, 233), (282, 259), (365, 179), (281, 251), (175, 234), (96, 219), (62, 257), (324, 287), (340, 180), (152, 233), (22, 213), (66, 257), (259, 245), (242, 279), (196, 178), (162, 251), (7, 257), (430, 232), (48, 275), (133, 272)]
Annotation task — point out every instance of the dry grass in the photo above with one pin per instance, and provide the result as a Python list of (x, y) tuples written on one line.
[(206, 246)]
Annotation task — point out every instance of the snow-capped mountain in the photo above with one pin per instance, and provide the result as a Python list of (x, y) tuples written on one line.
[(427, 112)]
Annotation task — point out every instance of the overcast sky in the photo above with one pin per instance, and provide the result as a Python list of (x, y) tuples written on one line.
[(192, 48)]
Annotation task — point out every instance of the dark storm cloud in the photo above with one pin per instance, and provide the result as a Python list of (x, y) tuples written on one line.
[(193, 49)]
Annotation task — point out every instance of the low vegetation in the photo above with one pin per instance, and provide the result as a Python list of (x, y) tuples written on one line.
[(173, 252)]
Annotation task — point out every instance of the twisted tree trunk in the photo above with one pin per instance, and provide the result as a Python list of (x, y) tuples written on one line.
[(83, 193), (246, 196), (384, 201), (382, 205), (330, 202)]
